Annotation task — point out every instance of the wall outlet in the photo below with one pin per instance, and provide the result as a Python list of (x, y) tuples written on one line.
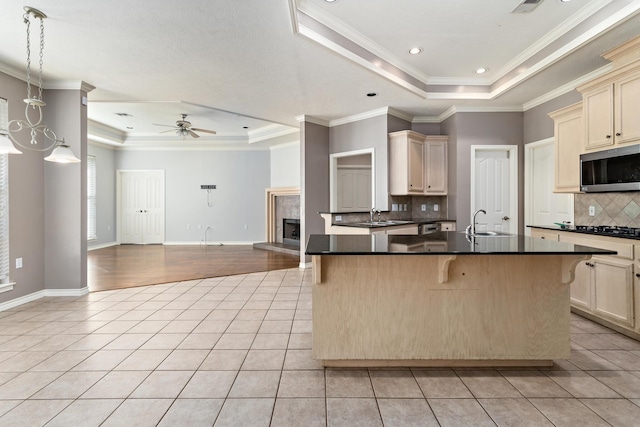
[(394, 207), (18, 262), (404, 207), (199, 226), (108, 228), (188, 226), (423, 207), (436, 207), (246, 227), (338, 218), (592, 211)]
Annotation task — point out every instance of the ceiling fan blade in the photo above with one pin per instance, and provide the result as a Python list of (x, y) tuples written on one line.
[(193, 134), (169, 126), (213, 132), (165, 131)]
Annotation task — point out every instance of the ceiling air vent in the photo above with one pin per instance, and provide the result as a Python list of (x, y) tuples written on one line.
[(526, 6)]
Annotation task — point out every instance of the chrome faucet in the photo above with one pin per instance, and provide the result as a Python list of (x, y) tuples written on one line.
[(471, 229), (373, 212)]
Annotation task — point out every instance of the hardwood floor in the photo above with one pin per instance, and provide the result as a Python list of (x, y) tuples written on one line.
[(127, 266)]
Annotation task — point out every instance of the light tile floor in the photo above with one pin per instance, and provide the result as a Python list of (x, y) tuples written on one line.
[(236, 351)]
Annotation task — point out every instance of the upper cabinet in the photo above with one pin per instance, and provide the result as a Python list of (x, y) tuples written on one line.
[(417, 164), (568, 147), (611, 102)]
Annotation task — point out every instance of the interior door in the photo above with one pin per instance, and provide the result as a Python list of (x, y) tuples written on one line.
[(546, 207), (141, 207), (493, 192)]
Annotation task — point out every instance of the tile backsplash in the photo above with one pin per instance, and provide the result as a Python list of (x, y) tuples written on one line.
[(621, 209)]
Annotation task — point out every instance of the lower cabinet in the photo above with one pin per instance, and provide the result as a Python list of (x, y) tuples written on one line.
[(604, 286)]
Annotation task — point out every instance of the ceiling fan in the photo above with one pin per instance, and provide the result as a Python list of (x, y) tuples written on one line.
[(183, 128)]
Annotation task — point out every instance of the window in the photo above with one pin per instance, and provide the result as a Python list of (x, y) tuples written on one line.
[(4, 203), (92, 233)]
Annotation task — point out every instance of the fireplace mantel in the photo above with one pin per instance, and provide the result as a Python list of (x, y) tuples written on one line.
[(271, 194)]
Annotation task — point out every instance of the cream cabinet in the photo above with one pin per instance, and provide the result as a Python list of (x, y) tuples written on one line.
[(604, 285), (568, 146), (447, 226), (417, 164), (436, 165), (611, 102)]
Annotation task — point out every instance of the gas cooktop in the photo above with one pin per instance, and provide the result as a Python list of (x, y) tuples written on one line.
[(609, 230)]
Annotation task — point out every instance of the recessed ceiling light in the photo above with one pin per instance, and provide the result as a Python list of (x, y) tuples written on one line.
[(415, 50), (372, 94), (481, 70), (245, 127), (330, 1), (129, 127), (565, 1), (124, 115)]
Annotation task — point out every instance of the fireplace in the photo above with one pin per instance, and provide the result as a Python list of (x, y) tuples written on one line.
[(291, 231)]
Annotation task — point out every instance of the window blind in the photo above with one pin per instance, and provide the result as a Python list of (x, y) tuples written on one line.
[(4, 201), (92, 226)]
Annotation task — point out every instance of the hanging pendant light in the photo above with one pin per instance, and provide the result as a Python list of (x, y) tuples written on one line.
[(33, 109)]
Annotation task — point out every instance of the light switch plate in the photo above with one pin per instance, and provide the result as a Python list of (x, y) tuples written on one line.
[(436, 207), (592, 211), (18, 262), (423, 207), (405, 207), (394, 207), (338, 218)]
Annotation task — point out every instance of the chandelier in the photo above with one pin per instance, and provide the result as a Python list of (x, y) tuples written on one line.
[(32, 123)]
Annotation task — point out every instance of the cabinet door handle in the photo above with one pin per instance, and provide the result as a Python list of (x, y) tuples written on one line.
[(637, 274), (608, 136), (618, 134)]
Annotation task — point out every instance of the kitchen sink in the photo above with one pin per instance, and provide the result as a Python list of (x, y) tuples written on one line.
[(385, 223), (490, 234)]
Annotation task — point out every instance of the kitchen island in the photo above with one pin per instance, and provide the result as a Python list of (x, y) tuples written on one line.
[(442, 299)]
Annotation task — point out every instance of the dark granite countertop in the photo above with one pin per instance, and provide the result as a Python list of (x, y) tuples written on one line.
[(442, 243), (391, 223), (573, 230)]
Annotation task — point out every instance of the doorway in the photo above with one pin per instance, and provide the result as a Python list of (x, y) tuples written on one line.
[(141, 206), (543, 206), (494, 187)]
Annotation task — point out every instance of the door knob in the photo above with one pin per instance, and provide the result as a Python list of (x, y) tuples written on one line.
[(505, 218)]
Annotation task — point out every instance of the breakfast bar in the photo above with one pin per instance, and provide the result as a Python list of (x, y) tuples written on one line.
[(442, 299)]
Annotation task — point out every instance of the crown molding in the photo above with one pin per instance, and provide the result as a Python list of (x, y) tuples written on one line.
[(68, 85), (426, 119), (13, 72), (315, 120), (339, 27), (550, 37), (189, 146), (272, 131), (105, 134), (566, 88), (359, 116)]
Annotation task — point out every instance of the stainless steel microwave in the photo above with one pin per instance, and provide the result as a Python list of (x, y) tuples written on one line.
[(617, 169)]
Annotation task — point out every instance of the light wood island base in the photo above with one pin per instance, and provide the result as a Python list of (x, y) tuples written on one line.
[(396, 310)]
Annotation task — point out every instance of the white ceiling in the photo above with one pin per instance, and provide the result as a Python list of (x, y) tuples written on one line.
[(262, 63)]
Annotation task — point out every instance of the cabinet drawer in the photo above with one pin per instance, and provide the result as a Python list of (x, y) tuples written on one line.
[(625, 250), (544, 234)]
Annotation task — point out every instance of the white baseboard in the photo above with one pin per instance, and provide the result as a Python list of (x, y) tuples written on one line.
[(209, 243), (41, 294), (304, 265), (101, 246)]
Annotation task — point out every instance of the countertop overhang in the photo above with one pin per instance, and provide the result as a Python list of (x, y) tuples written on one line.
[(573, 230), (443, 243)]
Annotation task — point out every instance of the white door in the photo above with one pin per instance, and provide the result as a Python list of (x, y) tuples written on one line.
[(141, 207), (354, 189), (494, 188), (542, 205)]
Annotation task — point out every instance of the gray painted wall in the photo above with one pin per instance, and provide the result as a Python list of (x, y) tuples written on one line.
[(449, 127), (485, 129), (239, 200), (314, 180), (367, 133), (537, 123), (105, 194), (26, 204), (66, 194), (285, 166), (426, 128)]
